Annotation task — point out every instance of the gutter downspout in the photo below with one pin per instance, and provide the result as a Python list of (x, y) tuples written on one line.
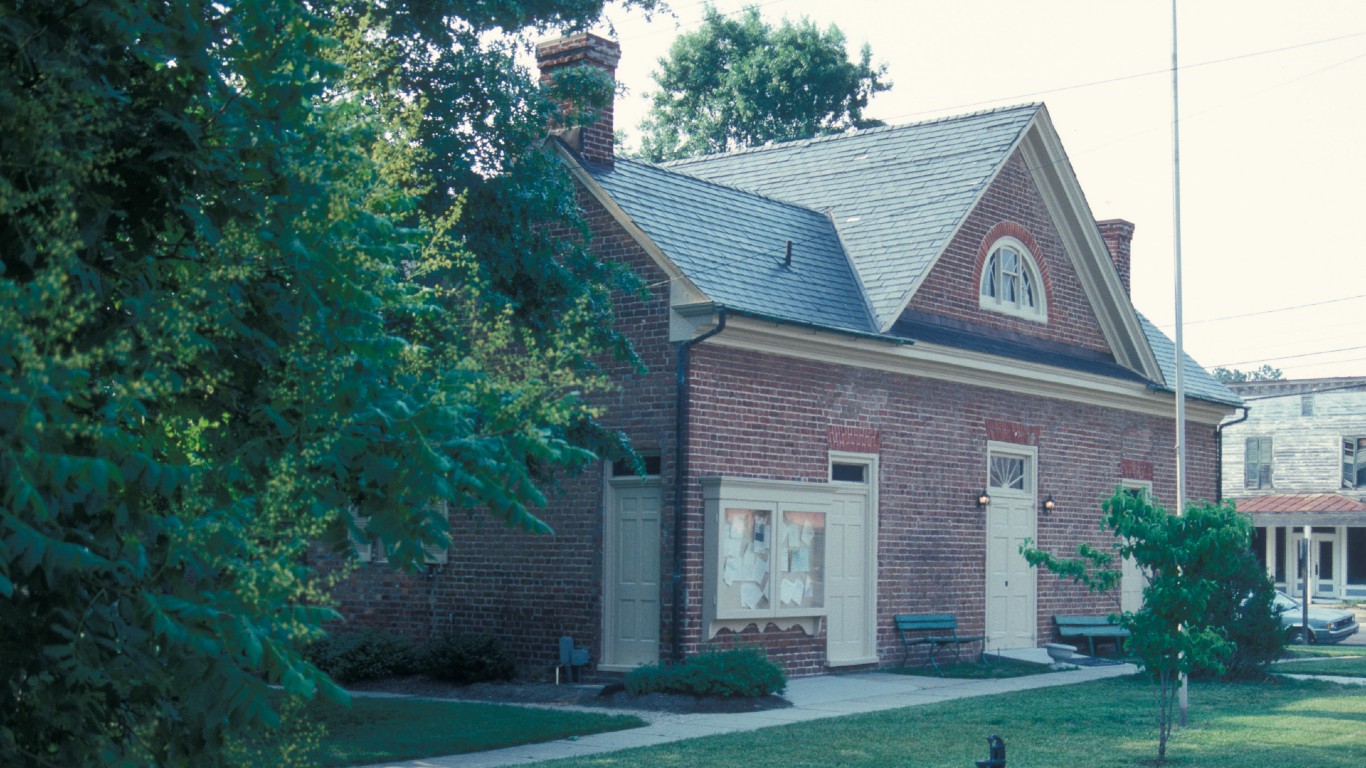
[(680, 472), (1219, 452)]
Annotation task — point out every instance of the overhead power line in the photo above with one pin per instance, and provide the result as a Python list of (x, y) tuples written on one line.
[(1290, 357), (1133, 76), (1269, 311)]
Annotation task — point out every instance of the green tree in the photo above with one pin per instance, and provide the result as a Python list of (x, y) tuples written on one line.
[(1233, 375), (738, 82), (1189, 563), (241, 294)]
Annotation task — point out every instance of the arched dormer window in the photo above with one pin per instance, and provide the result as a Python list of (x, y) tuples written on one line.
[(1010, 282)]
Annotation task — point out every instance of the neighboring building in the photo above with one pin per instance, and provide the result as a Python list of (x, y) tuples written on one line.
[(1299, 459), (849, 340)]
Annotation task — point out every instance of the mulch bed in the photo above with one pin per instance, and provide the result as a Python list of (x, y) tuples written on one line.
[(610, 696)]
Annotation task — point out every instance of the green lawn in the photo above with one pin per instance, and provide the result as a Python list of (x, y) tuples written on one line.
[(374, 730), (1104, 723), (1347, 662)]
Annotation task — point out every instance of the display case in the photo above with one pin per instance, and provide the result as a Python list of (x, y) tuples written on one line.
[(765, 554)]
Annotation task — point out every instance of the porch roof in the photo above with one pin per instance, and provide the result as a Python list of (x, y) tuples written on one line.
[(1282, 509)]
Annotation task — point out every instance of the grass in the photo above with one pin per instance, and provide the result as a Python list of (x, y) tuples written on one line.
[(375, 730), (1321, 651), (1107, 723), (1345, 662), (969, 670)]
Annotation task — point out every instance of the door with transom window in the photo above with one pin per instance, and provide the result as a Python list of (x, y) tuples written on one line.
[(1011, 588)]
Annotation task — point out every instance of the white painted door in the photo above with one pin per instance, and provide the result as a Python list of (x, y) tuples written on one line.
[(1322, 549), (849, 630), (632, 576), (1131, 584), (1011, 589), (1322, 563)]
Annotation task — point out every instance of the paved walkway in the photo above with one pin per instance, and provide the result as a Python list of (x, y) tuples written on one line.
[(813, 698)]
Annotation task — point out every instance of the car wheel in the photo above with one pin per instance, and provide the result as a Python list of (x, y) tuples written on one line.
[(1297, 637)]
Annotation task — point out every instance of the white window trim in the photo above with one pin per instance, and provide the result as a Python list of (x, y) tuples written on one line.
[(1016, 450), (369, 549), (1037, 313), (868, 460)]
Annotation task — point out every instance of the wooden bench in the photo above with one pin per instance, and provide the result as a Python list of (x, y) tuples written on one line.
[(1091, 628), (944, 631)]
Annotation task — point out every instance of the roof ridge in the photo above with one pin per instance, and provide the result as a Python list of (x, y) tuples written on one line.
[(851, 133), (719, 185)]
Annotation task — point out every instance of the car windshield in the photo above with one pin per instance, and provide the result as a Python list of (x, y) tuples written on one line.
[(1284, 603)]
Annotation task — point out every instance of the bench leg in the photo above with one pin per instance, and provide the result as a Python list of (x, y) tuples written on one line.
[(934, 648)]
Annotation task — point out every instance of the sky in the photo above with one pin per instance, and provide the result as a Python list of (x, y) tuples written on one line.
[(1272, 117)]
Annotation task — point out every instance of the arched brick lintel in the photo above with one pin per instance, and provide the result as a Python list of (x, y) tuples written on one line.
[(1016, 230)]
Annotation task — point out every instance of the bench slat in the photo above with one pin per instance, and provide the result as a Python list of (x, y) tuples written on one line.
[(1091, 628), (1099, 621)]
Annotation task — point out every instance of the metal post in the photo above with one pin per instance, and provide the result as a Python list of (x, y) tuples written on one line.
[(1180, 349)]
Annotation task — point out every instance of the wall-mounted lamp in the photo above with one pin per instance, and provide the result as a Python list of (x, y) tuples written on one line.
[(1048, 505), (983, 500)]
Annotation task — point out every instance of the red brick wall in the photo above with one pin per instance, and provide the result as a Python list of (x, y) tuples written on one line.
[(1011, 206), (762, 416)]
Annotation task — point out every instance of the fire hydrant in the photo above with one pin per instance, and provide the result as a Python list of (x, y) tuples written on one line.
[(997, 756)]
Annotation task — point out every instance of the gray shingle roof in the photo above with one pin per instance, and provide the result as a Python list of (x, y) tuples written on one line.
[(897, 194), (732, 245), (1199, 384)]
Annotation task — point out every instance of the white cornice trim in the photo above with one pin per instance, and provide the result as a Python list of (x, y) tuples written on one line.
[(1048, 163), (959, 366)]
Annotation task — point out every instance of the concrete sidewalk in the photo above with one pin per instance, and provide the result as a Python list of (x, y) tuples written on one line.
[(813, 698)]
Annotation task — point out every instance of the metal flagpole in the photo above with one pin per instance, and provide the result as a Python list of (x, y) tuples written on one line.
[(1180, 350)]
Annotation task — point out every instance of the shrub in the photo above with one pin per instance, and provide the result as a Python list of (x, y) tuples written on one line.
[(1242, 608), (357, 656), (741, 672), (465, 659)]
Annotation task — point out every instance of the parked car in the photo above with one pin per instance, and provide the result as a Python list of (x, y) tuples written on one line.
[(1326, 625)]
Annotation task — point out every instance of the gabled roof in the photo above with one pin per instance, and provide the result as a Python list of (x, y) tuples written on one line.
[(897, 194), (868, 214), (1198, 382), (733, 244)]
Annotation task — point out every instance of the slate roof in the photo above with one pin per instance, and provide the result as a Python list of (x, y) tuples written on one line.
[(888, 200), (732, 245), (1198, 382), (897, 194)]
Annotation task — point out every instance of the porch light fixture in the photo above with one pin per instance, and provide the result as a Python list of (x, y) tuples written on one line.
[(983, 500), (1048, 505)]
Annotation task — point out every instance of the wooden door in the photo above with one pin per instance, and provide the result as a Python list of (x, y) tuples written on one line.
[(632, 586)]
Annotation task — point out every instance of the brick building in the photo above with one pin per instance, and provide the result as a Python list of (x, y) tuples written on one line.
[(850, 340)]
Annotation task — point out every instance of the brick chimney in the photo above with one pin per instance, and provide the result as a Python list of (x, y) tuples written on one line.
[(593, 141), (1118, 234)]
